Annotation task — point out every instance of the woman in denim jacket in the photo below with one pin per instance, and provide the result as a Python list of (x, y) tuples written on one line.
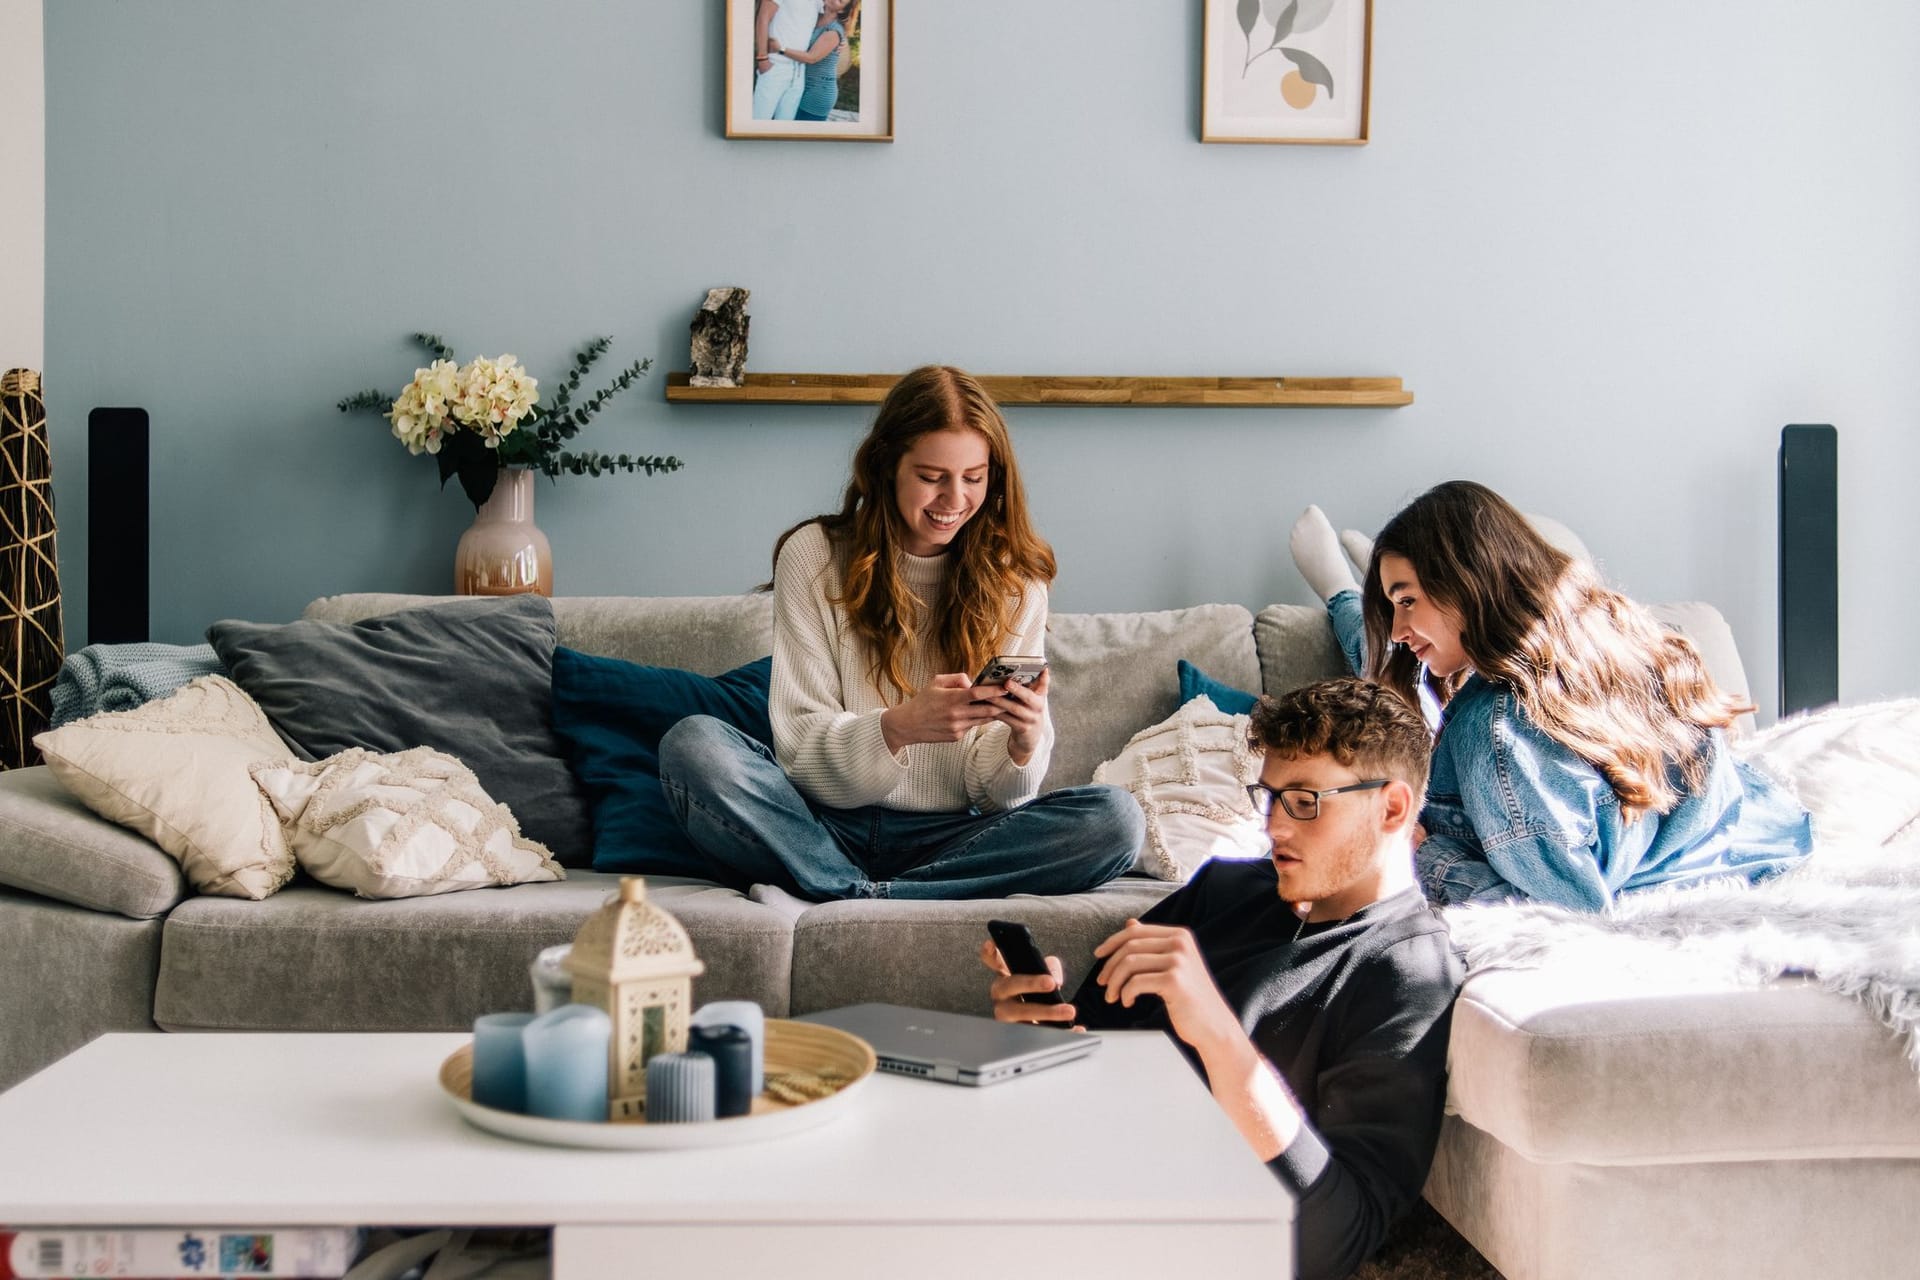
[(1581, 746)]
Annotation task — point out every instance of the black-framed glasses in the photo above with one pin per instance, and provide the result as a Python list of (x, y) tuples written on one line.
[(1301, 803)]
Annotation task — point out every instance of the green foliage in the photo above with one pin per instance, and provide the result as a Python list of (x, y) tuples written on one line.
[(540, 440)]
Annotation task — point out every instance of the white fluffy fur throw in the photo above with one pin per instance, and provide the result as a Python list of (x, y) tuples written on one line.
[(1849, 916)]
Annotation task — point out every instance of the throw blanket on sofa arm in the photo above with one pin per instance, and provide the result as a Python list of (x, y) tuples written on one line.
[(120, 677), (1844, 917)]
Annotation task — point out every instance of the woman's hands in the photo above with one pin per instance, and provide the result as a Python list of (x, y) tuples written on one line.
[(1024, 708), (951, 706)]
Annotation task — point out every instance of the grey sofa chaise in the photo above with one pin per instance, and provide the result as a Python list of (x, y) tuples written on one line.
[(1609, 1131)]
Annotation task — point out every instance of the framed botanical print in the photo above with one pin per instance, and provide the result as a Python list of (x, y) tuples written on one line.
[(818, 70), (1286, 71)]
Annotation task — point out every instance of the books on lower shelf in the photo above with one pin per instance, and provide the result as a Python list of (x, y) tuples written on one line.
[(163, 1253)]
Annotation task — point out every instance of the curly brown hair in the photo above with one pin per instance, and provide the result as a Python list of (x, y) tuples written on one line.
[(1365, 726), (997, 555)]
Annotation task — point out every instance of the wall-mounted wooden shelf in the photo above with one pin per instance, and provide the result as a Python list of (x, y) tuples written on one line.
[(1238, 393)]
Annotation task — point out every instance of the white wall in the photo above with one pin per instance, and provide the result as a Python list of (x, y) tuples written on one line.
[(1611, 248), (23, 186)]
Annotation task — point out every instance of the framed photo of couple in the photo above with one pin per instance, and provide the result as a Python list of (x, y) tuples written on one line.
[(819, 70), (1286, 71)]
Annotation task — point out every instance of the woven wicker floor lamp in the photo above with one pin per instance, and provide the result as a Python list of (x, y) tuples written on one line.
[(31, 644)]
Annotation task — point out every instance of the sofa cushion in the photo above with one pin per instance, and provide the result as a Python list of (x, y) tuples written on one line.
[(611, 715), (1114, 674), (708, 634), (1707, 628), (1195, 683), (400, 825), (71, 974), (470, 677), (54, 846), (175, 770), (314, 959), (1595, 1067), (1296, 647), (1190, 774), (926, 954)]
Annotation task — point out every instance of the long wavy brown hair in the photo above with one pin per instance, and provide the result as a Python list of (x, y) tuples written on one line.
[(997, 556), (1592, 669)]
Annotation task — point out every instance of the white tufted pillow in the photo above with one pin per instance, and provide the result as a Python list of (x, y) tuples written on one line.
[(1190, 774), (399, 825), (175, 770)]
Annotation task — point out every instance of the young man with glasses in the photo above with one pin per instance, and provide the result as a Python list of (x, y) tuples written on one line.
[(1313, 989)]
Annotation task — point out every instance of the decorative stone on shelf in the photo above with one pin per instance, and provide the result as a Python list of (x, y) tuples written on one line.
[(633, 959), (720, 337)]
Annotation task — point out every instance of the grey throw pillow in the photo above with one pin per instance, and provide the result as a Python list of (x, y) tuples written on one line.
[(472, 678)]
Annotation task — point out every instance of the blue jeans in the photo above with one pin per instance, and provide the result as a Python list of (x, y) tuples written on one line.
[(743, 812)]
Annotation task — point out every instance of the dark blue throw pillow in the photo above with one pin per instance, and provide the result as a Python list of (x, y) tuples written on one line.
[(610, 715), (1194, 682)]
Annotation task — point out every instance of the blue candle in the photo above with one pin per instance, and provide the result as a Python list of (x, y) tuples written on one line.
[(567, 1063), (732, 1054), (499, 1063), (747, 1016), (680, 1088)]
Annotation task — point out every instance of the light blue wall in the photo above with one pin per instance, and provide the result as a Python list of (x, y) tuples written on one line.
[(1612, 249)]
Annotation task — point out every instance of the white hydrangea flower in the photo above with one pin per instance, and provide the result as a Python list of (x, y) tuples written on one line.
[(419, 416), (492, 397)]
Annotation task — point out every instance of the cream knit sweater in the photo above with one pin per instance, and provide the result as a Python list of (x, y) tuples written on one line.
[(826, 711)]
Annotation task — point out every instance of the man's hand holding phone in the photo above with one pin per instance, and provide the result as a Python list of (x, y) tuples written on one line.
[(1027, 988)]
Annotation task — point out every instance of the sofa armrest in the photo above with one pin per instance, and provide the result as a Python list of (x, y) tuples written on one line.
[(56, 847)]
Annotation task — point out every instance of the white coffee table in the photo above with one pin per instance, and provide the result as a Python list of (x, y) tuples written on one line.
[(1119, 1164)]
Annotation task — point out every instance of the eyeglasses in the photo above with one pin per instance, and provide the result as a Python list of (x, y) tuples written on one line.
[(1301, 803)]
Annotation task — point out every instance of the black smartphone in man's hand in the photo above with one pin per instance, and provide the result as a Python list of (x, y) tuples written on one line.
[(1022, 955)]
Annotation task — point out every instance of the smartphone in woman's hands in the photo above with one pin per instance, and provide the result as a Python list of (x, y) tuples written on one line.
[(1011, 668)]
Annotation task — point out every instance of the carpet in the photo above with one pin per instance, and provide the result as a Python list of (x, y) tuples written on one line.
[(1421, 1246)]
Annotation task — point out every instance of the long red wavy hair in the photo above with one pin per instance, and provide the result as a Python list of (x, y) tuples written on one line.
[(997, 556)]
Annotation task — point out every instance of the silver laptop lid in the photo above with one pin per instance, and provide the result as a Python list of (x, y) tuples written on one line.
[(955, 1047)]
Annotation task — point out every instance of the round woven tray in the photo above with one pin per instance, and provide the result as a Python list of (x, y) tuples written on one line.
[(791, 1047)]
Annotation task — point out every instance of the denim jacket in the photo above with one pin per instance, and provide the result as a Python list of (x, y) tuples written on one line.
[(1513, 813)]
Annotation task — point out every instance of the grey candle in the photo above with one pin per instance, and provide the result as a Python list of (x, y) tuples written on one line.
[(679, 1088), (732, 1052)]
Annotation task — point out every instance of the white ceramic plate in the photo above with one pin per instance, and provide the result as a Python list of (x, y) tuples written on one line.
[(790, 1046)]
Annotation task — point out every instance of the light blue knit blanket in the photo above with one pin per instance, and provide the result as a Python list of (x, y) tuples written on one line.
[(119, 677)]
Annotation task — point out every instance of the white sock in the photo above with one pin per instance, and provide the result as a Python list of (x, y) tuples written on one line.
[(1316, 550), (1359, 549)]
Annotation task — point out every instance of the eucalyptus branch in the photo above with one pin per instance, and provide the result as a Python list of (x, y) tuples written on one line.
[(598, 464), (366, 402), (437, 348)]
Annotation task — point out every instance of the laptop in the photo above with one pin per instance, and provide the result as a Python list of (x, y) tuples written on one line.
[(955, 1047)]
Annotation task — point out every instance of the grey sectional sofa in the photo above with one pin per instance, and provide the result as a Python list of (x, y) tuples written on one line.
[(1606, 1131), (100, 932)]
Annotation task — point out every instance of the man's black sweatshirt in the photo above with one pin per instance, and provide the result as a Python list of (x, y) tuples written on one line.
[(1353, 1014)]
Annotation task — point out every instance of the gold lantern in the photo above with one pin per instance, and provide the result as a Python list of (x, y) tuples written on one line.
[(636, 961)]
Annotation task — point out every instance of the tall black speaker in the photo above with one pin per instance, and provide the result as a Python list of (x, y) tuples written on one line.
[(1809, 568), (116, 526)]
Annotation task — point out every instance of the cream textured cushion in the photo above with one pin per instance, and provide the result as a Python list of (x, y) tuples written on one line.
[(399, 825), (1190, 774), (1855, 769), (176, 770)]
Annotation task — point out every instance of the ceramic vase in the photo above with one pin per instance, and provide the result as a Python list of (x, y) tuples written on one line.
[(504, 553)]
